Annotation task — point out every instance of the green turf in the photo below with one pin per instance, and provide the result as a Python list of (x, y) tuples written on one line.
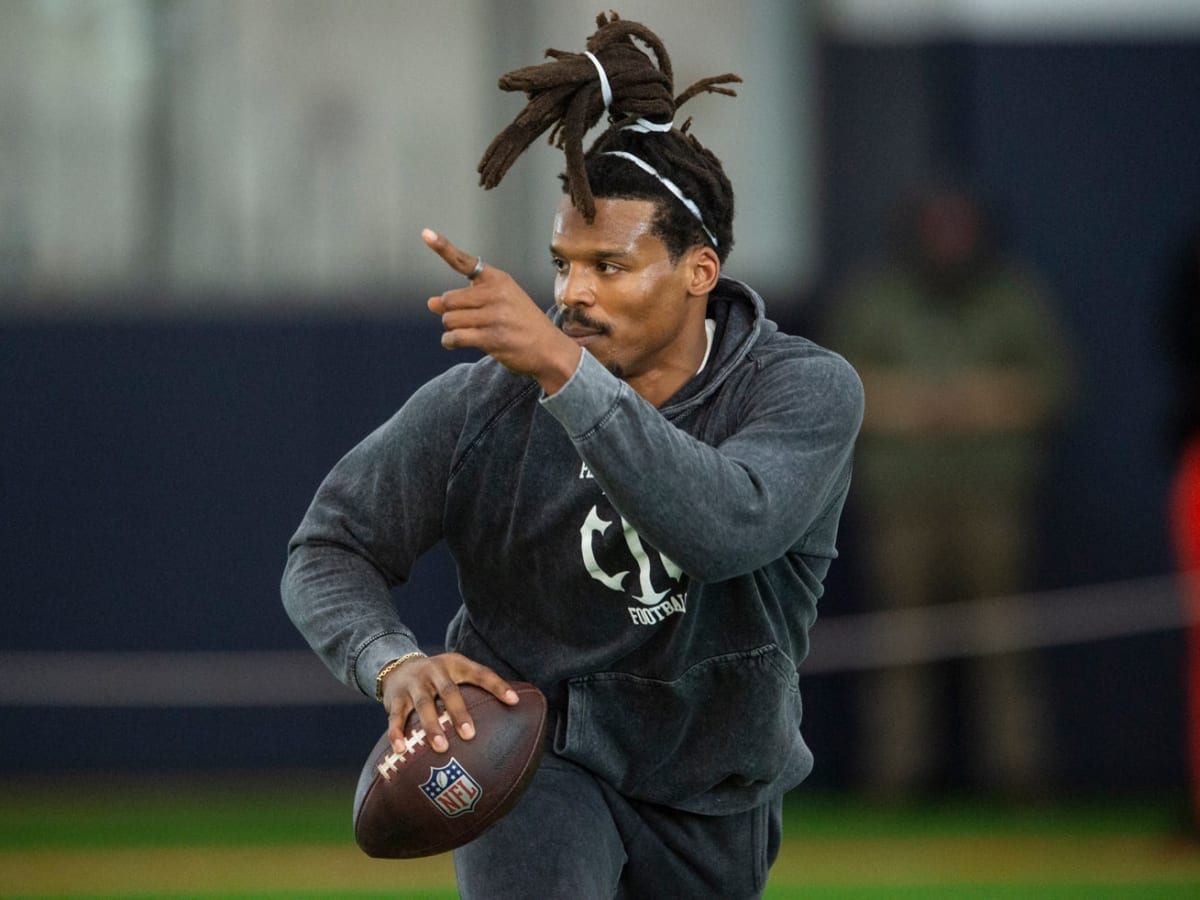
[(836, 847), (824, 815), (1025, 891), (314, 808)]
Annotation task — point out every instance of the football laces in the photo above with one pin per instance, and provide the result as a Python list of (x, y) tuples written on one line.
[(390, 763)]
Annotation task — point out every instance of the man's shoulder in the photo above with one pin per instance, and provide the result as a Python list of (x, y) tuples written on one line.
[(812, 369), (780, 347), (481, 378), (468, 391)]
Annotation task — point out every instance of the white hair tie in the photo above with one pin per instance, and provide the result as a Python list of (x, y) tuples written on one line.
[(644, 126), (605, 87)]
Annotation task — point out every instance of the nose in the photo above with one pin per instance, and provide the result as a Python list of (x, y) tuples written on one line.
[(574, 287)]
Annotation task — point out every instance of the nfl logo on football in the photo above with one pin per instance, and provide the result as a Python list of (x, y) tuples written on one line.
[(451, 789)]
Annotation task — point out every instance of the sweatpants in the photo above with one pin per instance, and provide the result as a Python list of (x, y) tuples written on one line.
[(573, 836)]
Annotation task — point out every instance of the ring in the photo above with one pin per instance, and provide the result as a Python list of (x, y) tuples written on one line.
[(477, 271)]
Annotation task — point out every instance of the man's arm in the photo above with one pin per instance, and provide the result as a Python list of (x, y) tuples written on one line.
[(725, 510), (372, 517)]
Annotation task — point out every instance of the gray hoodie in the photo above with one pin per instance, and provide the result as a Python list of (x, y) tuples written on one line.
[(654, 571)]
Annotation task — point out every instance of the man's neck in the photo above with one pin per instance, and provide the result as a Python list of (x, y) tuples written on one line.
[(660, 385)]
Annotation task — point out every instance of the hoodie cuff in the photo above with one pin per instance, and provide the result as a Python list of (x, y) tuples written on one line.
[(377, 653), (587, 399)]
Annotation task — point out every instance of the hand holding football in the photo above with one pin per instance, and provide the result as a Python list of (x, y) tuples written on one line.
[(419, 802)]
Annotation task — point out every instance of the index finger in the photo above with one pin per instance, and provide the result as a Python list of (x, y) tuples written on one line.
[(460, 262)]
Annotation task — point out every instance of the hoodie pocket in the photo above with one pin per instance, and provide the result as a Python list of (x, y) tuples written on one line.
[(719, 738)]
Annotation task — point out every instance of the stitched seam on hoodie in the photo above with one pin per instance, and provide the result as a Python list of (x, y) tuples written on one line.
[(487, 427), (604, 420)]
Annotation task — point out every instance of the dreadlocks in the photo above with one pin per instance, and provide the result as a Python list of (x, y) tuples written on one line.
[(569, 94)]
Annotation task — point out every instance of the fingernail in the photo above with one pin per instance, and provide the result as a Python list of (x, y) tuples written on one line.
[(440, 744), (398, 746), (467, 731), (511, 696), (429, 234)]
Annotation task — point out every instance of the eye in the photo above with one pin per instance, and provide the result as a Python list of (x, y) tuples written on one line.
[(606, 268), (560, 265)]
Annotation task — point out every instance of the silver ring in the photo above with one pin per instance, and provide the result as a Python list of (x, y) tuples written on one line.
[(477, 271)]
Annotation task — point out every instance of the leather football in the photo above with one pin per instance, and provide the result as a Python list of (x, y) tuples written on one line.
[(420, 802)]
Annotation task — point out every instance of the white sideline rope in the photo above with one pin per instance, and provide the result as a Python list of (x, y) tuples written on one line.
[(839, 644), (998, 625), (284, 678)]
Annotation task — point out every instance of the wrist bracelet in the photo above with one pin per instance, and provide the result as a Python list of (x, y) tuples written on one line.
[(391, 667)]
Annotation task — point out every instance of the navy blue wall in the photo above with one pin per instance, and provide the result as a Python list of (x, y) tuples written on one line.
[(1096, 156), (151, 474), (1094, 151), (1089, 154), (154, 471)]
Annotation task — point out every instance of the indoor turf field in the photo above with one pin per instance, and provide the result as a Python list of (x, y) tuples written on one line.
[(175, 837)]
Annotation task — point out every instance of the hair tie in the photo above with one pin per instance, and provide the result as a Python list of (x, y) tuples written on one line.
[(605, 87), (643, 126)]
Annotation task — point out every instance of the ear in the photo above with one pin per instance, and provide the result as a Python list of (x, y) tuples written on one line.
[(703, 270)]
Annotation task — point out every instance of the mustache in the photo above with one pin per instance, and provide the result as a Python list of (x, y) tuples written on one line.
[(572, 315)]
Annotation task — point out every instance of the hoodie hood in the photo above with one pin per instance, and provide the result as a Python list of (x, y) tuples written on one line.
[(740, 317)]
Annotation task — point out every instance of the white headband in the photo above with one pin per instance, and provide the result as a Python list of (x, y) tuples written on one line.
[(669, 185)]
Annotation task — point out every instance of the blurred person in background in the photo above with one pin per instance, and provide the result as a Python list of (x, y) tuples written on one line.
[(964, 369), (1183, 336)]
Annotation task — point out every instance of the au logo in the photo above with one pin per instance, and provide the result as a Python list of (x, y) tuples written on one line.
[(451, 789)]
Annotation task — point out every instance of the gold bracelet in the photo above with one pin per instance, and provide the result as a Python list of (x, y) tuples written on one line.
[(391, 667)]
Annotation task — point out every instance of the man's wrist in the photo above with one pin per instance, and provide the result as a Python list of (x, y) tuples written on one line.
[(390, 667), (562, 367)]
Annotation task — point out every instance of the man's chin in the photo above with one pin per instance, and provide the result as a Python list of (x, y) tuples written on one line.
[(589, 342)]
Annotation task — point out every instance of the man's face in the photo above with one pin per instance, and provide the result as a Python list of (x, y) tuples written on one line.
[(620, 295)]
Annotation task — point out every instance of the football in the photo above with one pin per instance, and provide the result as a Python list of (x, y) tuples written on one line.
[(420, 802)]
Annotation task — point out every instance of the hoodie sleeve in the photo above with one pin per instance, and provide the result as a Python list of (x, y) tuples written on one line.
[(375, 513), (722, 511)]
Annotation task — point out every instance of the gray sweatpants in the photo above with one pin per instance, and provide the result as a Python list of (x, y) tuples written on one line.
[(573, 836)]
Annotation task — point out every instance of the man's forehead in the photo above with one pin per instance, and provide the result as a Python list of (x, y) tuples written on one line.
[(619, 225)]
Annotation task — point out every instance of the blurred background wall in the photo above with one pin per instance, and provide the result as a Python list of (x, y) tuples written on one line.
[(277, 151), (211, 286)]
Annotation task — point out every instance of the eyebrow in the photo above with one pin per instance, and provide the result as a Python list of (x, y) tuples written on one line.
[(597, 254)]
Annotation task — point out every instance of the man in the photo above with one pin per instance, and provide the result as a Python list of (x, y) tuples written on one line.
[(966, 369), (641, 492)]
